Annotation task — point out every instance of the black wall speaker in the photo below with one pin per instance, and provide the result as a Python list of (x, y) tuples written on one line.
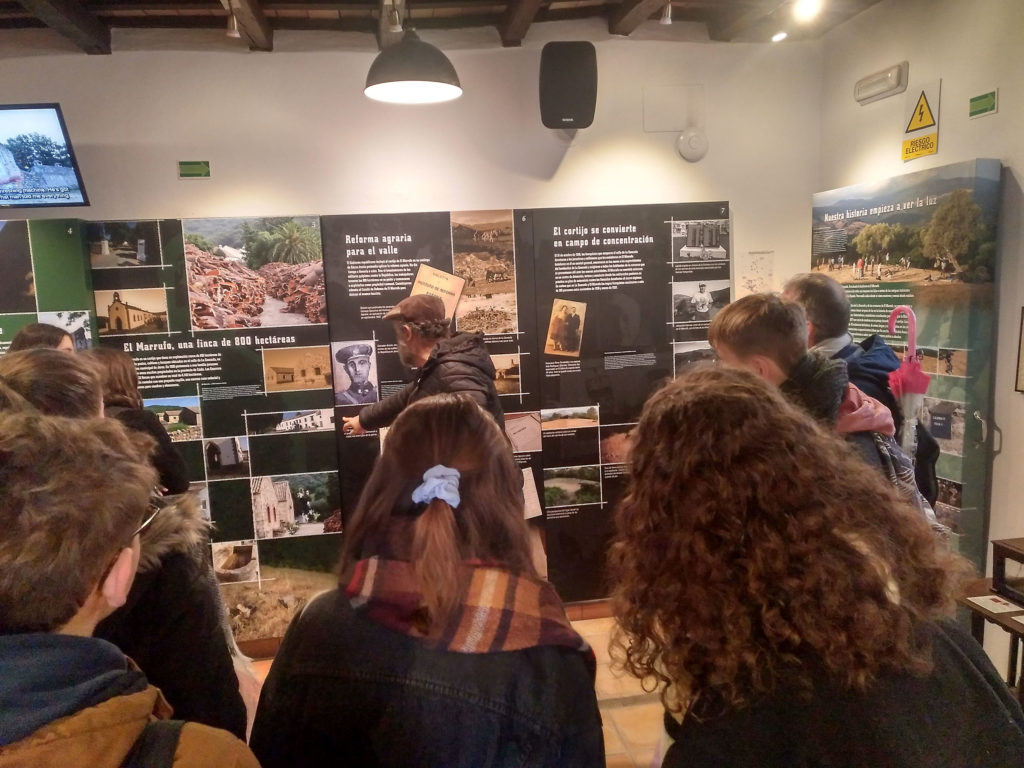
[(568, 84)]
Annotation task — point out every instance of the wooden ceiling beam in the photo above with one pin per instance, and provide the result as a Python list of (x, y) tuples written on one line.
[(252, 23), (519, 15), (70, 18), (630, 14)]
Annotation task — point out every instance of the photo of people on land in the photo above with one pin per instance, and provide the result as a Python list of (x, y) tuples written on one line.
[(293, 505), (565, 328), (483, 254), (355, 372), (932, 227), (952, 362), (254, 272)]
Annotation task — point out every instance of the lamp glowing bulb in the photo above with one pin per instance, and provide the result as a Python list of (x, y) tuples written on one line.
[(778, 37), (805, 10)]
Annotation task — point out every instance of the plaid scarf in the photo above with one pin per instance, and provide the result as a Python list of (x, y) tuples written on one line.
[(500, 612)]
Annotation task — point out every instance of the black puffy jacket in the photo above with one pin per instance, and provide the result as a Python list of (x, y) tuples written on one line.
[(457, 365)]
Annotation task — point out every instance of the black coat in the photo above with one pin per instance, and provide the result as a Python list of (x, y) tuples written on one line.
[(456, 365), (959, 716), (174, 625), (165, 459), (345, 691)]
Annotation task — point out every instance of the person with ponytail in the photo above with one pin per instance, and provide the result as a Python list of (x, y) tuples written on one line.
[(440, 646)]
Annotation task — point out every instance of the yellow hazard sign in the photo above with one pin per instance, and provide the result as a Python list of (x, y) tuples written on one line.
[(920, 146), (922, 116)]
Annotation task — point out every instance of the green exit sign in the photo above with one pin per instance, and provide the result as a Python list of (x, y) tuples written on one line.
[(194, 169), (984, 104)]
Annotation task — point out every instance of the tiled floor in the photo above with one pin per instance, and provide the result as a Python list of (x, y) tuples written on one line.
[(632, 716)]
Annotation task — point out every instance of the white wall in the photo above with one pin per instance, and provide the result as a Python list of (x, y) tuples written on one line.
[(290, 132), (973, 47)]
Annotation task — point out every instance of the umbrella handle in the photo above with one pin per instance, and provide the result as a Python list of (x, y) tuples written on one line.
[(903, 309)]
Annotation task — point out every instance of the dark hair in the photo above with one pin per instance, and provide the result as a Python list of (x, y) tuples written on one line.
[(752, 545), (72, 491), (36, 335), (118, 375), (824, 302), (431, 329), (488, 525), (762, 324), (54, 382)]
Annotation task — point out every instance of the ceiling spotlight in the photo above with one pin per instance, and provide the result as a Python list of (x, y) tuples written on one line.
[(412, 72), (805, 10), (778, 37)]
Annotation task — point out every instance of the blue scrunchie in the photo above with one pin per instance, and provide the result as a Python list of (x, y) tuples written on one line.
[(439, 482)]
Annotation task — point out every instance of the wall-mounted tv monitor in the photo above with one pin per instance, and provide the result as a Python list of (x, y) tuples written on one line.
[(37, 164)]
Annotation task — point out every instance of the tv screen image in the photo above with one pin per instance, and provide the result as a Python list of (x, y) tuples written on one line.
[(37, 163)]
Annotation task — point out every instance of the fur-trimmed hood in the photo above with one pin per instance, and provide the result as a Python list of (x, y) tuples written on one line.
[(178, 528)]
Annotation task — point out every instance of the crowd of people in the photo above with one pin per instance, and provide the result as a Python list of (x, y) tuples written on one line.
[(776, 570)]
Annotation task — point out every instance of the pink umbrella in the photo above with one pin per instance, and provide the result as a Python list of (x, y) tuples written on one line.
[(908, 382)]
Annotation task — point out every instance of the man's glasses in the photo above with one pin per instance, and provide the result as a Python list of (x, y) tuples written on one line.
[(153, 509)]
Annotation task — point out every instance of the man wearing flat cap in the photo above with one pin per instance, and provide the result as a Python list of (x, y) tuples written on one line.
[(444, 364), (355, 359)]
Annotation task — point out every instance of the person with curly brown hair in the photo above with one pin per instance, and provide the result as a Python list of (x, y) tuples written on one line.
[(790, 606)]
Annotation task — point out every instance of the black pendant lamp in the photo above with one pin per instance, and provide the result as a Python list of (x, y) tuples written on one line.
[(412, 72)]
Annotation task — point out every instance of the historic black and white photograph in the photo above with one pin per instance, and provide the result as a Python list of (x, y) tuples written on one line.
[(355, 372)]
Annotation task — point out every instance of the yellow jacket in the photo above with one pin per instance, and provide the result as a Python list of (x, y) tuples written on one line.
[(101, 737)]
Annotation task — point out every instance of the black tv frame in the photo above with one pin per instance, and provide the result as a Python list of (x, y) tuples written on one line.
[(71, 152)]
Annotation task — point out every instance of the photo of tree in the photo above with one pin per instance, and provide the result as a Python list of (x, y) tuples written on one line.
[(36, 163), (572, 485), (926, 228), (254, 272)]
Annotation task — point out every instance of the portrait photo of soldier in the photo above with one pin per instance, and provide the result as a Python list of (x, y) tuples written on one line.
[(355, 373)]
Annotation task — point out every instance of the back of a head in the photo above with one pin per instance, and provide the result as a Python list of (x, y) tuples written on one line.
[(750, 535), (762, 324), (53, 382), (38, 335), (487, 524), (824, 301), (118, 376), (72, 493)]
